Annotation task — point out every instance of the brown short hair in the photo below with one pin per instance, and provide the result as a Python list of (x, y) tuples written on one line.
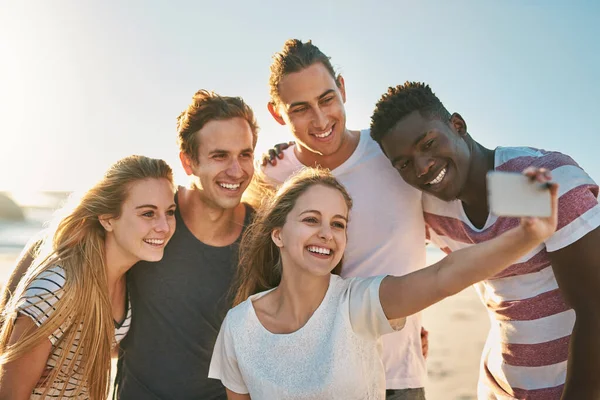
[(208, 106), (294, 57)]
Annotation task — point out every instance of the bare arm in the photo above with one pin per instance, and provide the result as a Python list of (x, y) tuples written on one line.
[(577, 271), (406, 295), (236, 396), (18, 378)]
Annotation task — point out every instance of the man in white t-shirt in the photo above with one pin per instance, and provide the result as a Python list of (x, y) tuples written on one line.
[(386, 232)]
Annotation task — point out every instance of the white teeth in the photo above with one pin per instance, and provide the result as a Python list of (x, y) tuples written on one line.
[(155, 241), (230, 186), (324, 135), (320, 250), (439, 178)]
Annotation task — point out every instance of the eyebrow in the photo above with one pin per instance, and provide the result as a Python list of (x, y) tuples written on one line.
[(303, 103), (417, 140), (152, 206), (318, 212), (220, 151)]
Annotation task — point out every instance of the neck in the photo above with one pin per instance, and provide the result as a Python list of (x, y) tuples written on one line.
[(297, 297), (209, 223), (117, 264), (482, 161), (349, 143)]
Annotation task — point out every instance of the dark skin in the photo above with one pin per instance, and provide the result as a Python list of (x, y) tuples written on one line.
[(422, 148)]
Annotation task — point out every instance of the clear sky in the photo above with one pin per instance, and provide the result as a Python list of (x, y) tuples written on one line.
[(82, 84)]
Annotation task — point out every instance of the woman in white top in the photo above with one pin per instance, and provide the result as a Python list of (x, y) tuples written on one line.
[(297, 331), (70, 308)]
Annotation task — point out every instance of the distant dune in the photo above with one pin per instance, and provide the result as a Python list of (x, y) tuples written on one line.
[(9, 210)]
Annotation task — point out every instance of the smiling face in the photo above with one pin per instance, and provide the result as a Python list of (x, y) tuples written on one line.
[(312, 105), (430, 154), (146, 223), (313, 238), (225, 165)]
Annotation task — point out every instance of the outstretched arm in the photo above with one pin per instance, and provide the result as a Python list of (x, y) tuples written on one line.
[(406, 295)]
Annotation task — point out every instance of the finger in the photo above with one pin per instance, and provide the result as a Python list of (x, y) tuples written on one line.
[(272, 154)]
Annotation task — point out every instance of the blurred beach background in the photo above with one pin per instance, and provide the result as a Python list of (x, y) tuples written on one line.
[(83, 84), (457, 326)]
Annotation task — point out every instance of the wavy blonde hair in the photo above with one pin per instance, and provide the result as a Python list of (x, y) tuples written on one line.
[(259, 268), (76, 242)]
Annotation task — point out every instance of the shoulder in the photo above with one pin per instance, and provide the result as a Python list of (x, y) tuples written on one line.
[(49, 281), (516, 159)]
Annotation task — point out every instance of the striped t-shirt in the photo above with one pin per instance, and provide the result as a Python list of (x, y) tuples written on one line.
[(39, 302), (525, 356)]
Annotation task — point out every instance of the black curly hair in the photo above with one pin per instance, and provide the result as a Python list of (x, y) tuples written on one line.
[(400, 101)]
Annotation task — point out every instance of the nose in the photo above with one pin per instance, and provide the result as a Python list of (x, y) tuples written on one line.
[(320, 120), (235, 169), (325, 233), (162, 224), (423, 164)]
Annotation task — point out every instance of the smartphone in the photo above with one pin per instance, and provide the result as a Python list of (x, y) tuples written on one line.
[(512, 194)]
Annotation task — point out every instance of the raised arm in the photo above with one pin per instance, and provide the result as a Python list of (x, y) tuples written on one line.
[(19, 377), (577, 271), (406, 295)]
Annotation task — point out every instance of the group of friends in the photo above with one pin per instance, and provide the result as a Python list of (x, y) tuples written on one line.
[(302, 277)]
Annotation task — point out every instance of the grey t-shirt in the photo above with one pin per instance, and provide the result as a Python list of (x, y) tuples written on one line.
[(178, 306)]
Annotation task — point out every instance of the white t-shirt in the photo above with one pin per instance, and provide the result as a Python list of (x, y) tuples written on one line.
[(386, 236), (38, 303), (335, 355)]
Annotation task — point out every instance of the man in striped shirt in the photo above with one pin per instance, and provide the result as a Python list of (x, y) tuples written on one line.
[(538, 307)]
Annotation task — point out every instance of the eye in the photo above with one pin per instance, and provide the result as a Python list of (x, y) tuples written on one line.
[(402, 165), (339, 225), (299, 110), (310, 220), (171, 213), (428, 143), (327, 100), (148, 214), (219, 156), (247, 155)]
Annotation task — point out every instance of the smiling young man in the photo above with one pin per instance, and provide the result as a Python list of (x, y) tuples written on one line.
[(537, 306), (386, 235), (179, 303)]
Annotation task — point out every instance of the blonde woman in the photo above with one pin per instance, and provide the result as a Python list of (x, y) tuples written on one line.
[(300, 332), (70, 308)]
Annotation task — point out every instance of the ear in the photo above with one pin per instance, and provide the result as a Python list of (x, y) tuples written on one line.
[(107, 222), (459, 124), (342, 86), (276, 237), (273, 110), (186, 163)]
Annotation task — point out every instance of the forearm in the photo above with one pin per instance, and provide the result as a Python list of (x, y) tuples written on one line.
[(584, 359), (473, 264)]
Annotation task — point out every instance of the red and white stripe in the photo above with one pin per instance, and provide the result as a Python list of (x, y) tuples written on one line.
[(527, 348)]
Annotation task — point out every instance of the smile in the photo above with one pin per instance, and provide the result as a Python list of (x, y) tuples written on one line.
[(155, 242), (324, 134), (230, 186), (438, 178), (319, 250)]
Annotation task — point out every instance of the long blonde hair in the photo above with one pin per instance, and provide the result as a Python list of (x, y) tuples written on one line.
[(259, 266), (77, 244)]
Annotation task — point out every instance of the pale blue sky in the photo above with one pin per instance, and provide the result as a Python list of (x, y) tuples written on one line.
[(84, 84)]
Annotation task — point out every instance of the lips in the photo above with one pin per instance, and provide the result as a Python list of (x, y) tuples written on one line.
[(324, 135), (230, 186), (320, 251), (155, 242), (438, 178)]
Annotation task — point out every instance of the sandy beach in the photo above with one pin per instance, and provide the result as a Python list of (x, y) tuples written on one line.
[(457, 329)]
